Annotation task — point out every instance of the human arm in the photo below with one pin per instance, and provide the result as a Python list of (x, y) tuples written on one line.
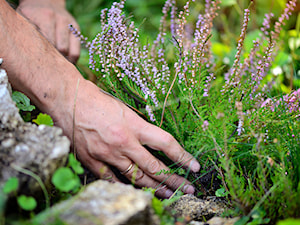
[(106, 132), (52, 19)]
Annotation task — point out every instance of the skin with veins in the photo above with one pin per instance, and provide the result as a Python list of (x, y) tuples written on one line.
[(106, 131)]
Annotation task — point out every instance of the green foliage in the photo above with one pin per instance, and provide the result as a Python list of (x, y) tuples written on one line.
[(289, 222), (22, 101), (208, 94), (66, 180), (221, 192), (3, 198), (259, 165), (23, 104), (27, 203), (163, 171), (255, 218), (229, 2), (11, 185), (160, 207), (43, 118), (75, 164)]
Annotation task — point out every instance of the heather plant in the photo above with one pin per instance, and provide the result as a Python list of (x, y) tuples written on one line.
[(224, 115)]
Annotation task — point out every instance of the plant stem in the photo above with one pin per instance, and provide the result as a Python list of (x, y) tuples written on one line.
[(37, 178)]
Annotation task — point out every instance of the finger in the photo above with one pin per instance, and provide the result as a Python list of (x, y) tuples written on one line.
[(140, 176), (137, 177), (140, 179), (163, 192), (62, 36), (100, 169), (159, 139), (74, 48), (46, 25), (152, 166)]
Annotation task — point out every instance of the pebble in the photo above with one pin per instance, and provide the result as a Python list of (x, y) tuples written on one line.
[(8, 143)]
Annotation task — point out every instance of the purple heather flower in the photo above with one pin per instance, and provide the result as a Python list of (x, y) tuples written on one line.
[(290, 5), (233, 73), (205, 125), (266, 24), (150, 113), (116, 50)]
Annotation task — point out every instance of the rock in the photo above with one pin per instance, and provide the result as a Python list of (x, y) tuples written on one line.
[(8, 109), (217, 221), (27, 147), (198, 209), (103, 203)]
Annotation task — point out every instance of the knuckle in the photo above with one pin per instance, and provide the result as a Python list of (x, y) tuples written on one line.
[(153, 166), (139, 175), (135, 175), (182, 157), (167, 138), (105, 174), (49, 13), (119, 136), (174, 182)]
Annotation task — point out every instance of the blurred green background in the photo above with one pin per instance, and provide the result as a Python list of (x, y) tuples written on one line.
[(227, 26)]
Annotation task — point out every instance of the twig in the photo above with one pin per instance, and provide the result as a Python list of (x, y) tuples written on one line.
[(74, 107), (37, 178), (173, 82)]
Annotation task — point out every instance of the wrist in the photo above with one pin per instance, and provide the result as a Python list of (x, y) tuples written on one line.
[(34, 66)]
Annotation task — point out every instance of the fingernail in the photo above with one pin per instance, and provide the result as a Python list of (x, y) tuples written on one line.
[(188, 189), (195, 166), (168, 193)]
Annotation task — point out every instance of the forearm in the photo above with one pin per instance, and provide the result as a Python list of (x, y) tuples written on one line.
[(106, 132), (33, 65), (61, 3)]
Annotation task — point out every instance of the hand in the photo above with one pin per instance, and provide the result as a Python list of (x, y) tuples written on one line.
[(107, 132), (51, 17)]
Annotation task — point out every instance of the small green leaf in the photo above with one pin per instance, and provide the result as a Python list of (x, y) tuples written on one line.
[(22, 101), (157, 206), (221, 192), (43, 119), (75, 164), (65, 180), (11, 185), (27, 203)]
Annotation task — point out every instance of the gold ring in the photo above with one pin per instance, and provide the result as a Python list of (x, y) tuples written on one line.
[(129, 168)]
